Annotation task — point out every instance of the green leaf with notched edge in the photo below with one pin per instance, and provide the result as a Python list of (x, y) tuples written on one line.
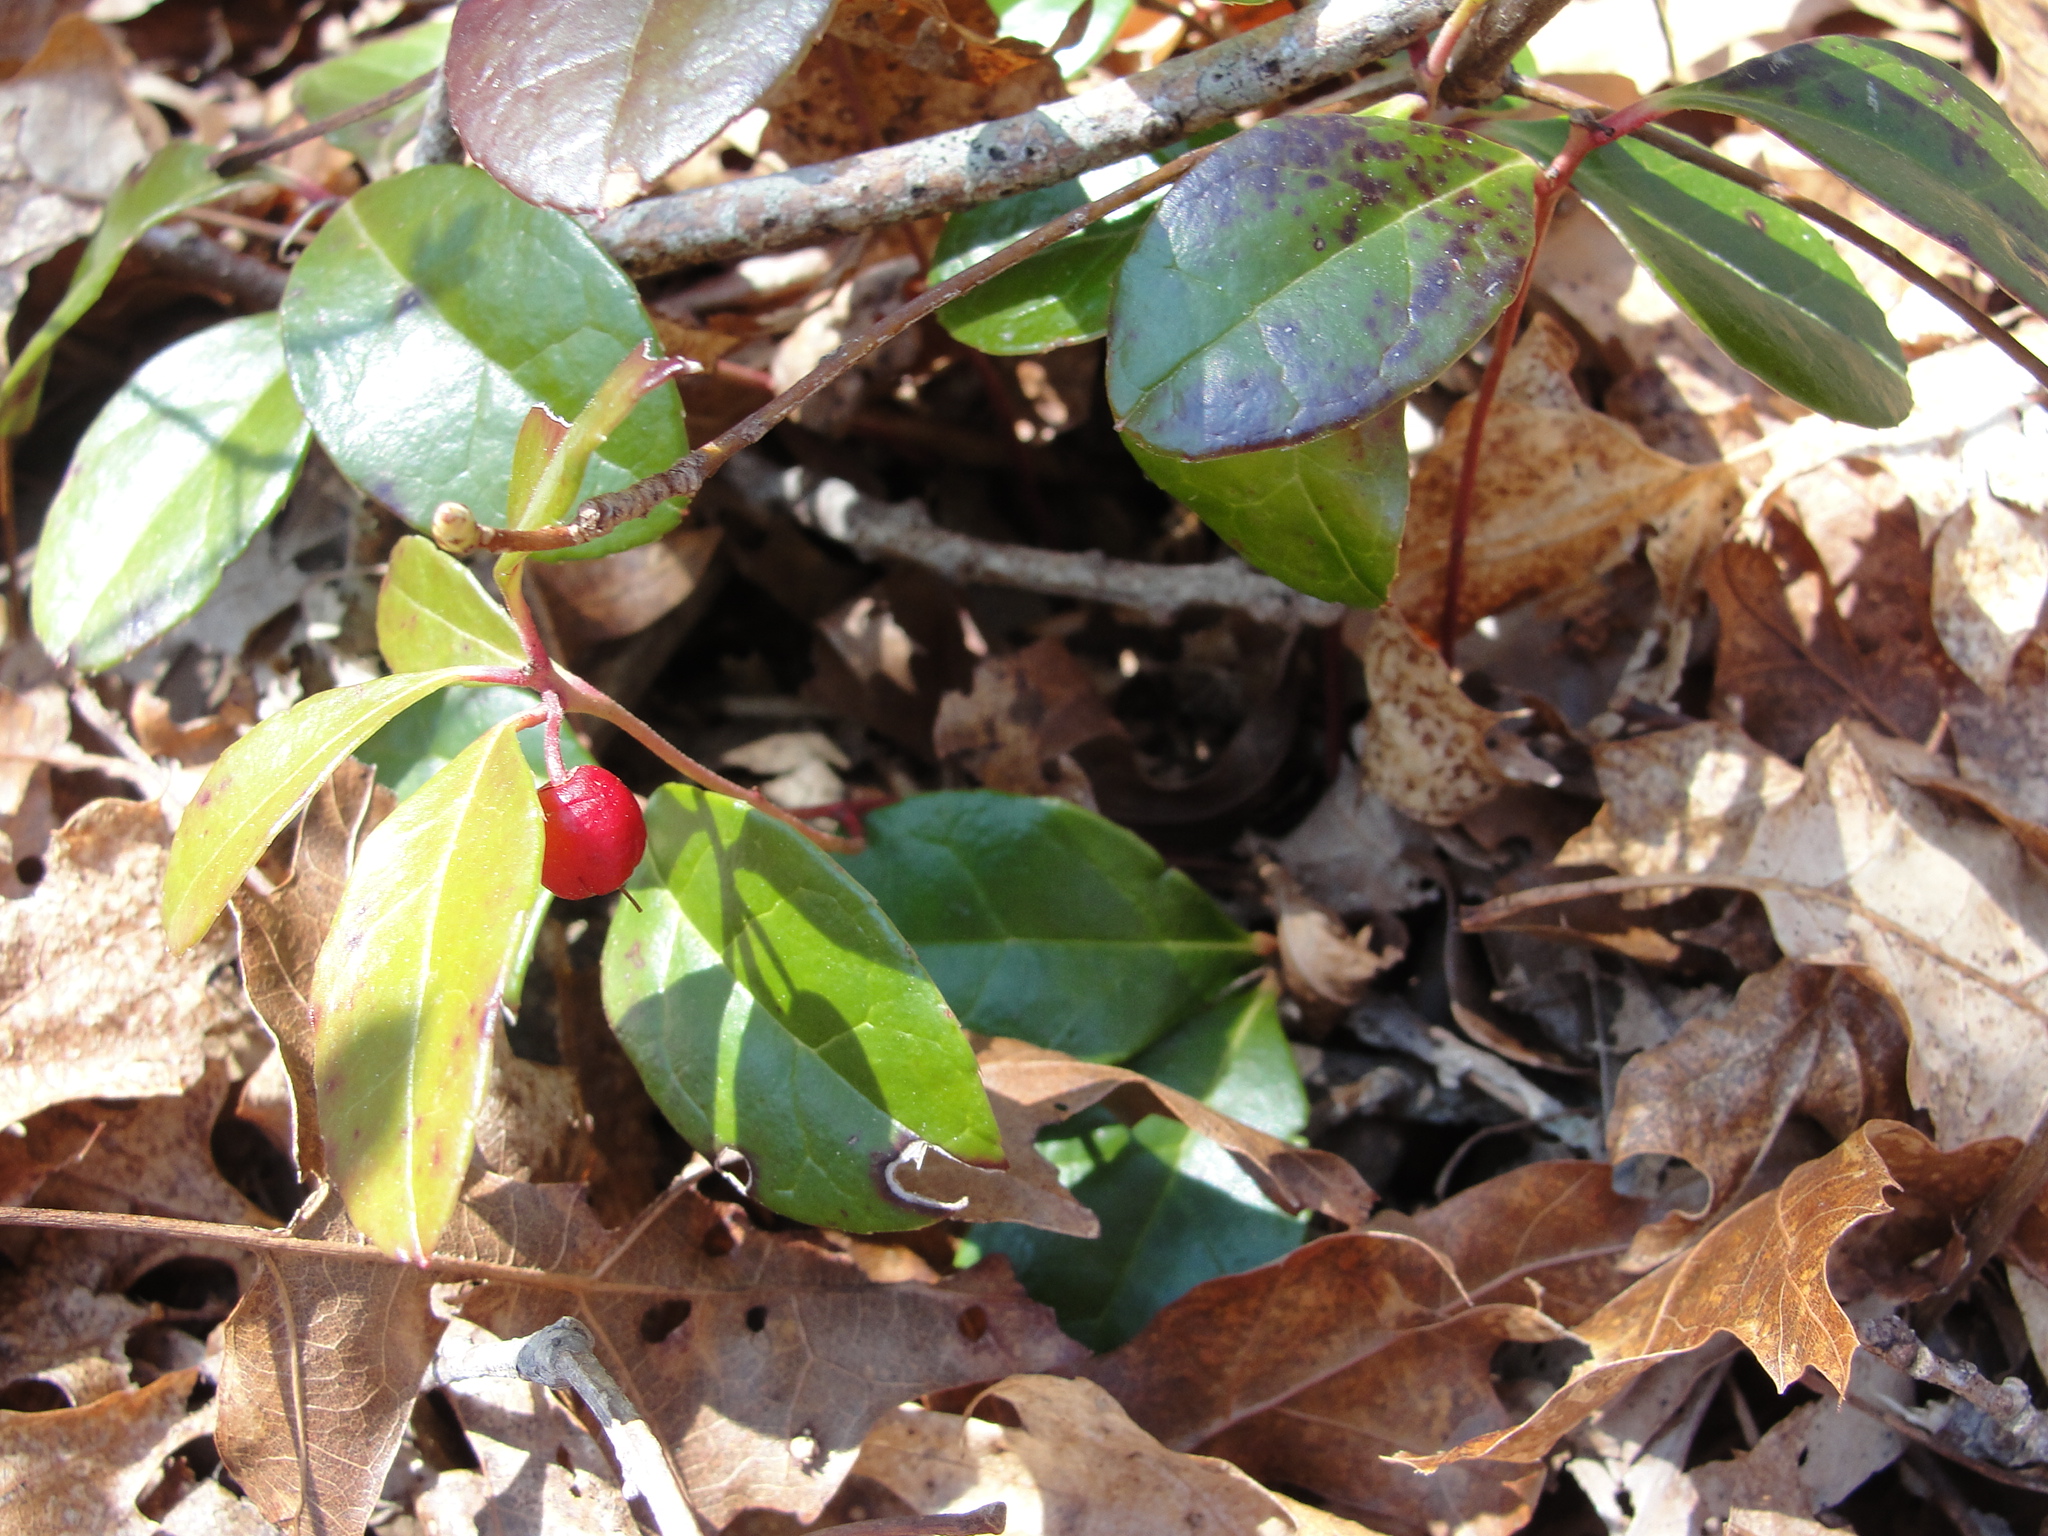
[(1175, 1209), (1310, 273), (419, 743), (1046, 922), (430, 314), (170, 181), (171, 481), (1061, 295), (1323, 516), (378, 66), (261, 782), (1754, 275), (1911, 133), (406, 992), (432, 612), (771, 1009)]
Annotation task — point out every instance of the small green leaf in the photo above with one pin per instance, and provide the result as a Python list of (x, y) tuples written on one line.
[(1310, 273), (171, 481), (425, 320), (414, 747), (172, 180), (1175, 1209), (431, 612), (1061, 295), (1045, 922), (1910, 132), (1323, 516), (771, 1009), (1754, 275), (261, 782), (406, 992), (378, 66)]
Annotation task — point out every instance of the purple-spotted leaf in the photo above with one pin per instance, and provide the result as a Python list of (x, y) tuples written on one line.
[(1910, 132), (1324, 516), (586, 106), (1309, 274), (431, 612), (260, 783), (406, 992)]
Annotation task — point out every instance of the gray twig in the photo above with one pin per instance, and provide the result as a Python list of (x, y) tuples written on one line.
[(2007, 1405), (563, 1356), (183, 250), (950, 171), (878, 530), (436, 143)]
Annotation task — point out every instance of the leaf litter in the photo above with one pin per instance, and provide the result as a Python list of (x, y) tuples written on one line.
[(1578, 1163)]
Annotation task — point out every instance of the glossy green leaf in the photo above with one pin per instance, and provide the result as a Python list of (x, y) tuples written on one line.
[(261, 782), (1910, 132), (171, 481), (406, 992), (427, 737), (1754, 275), (431, 612), (1323, 516), (1175, 1209), (173, 179), (381, 65), (1061, 295), (771, 1009), (1310, 273), (1046, 922), (429, 316)]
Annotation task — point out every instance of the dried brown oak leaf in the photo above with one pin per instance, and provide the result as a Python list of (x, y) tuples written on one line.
[(1308, 1371), (92, 1003), (81, 1469), (1562, 493), (1760, 1275), (1074, 1464), (760, 1359), (1813, 1041), (1026, 713), (321, 1363), (281, 933), (1031, 1087)]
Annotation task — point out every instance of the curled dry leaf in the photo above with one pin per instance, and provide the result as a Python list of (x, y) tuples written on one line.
[(1817, 1041), (1307, 1371), (322, 1360), (1424, 748), (1562, 493), (92, 1003), (1030, 1087), (81, 1469), (281, 933), (1074, 1465), (760, 1359), (1760, 1275), (1027, 713), (1322, 960)]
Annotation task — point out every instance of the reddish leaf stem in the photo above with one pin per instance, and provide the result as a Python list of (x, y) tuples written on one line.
[(1429, 75)]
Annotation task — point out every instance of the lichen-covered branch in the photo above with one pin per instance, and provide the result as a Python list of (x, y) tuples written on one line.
[(2007, 1405), (950, 171)]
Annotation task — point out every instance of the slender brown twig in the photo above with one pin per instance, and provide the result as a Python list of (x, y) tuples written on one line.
[(233, 162), (1682, 148)]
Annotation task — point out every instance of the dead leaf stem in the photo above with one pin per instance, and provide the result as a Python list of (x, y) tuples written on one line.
[(235, 161)]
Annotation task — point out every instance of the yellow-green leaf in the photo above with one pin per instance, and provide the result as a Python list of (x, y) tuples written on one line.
[(433, 613)]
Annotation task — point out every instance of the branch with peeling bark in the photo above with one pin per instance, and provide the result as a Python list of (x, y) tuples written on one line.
[(2008, 1405), (878, 530), (951, 171)]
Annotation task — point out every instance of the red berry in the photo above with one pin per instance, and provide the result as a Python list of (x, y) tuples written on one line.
[(595, 834)]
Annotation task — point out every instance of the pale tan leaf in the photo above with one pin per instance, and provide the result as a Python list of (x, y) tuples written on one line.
[(1809, 1461), (1424, 745), (1075, 1466), (92, 1003), (81, 1469), (2017, 27), (1990, 578), (760, 1359), (322, 1361)]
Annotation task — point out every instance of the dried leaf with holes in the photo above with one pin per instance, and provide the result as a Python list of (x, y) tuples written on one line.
[(1562, 493), (760, 1358), (35, 723), (1308, 1371), (82, 1469)]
